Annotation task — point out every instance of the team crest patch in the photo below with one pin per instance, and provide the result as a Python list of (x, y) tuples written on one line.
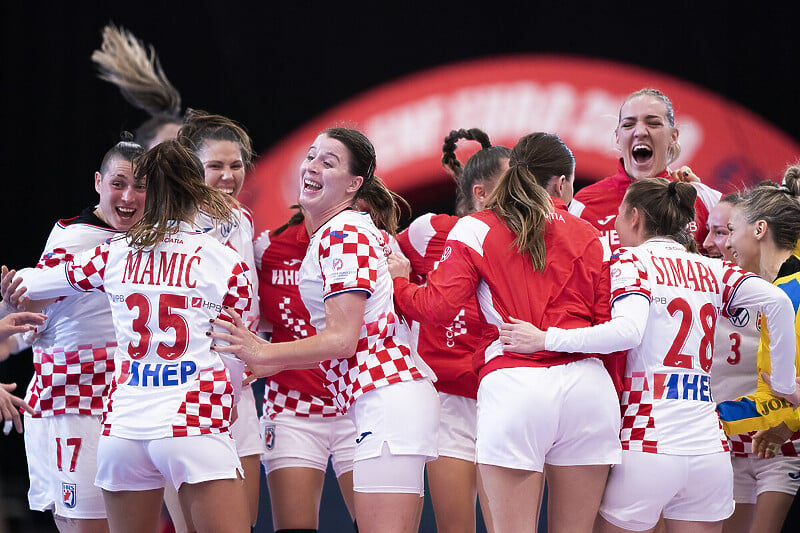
[(269, 437), (68, 495)]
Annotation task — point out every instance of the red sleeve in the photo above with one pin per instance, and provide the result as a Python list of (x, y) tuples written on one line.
[(449, 288)]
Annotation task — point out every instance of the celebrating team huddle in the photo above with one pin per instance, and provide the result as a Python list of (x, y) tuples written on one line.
[(644, 328)]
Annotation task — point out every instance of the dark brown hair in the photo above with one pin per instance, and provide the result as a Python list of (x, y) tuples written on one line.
[(480, 167), (667, 208), (384, 205), (201, 126), (176, 190)]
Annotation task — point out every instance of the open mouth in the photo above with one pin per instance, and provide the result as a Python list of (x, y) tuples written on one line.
[(311, 185), (124, 212), (641, 153)]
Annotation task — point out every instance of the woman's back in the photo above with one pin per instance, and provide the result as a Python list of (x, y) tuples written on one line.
[(162, 300), (480, 258), (667, 401)]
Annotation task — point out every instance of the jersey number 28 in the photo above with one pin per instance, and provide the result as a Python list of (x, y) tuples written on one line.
[(708, 320)]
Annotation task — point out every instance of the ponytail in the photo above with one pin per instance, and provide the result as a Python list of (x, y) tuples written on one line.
[(384, 206), (667, 208), (176, 190), (525, 208), (482, 166), (134, 68)]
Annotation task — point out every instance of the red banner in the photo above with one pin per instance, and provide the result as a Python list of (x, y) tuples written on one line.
[(511, 96)]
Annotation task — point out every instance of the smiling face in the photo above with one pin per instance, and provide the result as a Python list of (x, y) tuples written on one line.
[(716, 241), (645, 136), (121, 196), (223, 165), (745, 248), (326, 184)]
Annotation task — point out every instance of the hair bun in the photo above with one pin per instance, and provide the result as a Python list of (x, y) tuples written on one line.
[(672, 188)]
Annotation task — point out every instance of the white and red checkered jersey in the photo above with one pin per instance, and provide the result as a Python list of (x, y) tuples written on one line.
[(449, 350), (238, 234), (278, 260), (667, 403), (599, 202), (348, 253), (73, 352), (480, 260), (167, 381)]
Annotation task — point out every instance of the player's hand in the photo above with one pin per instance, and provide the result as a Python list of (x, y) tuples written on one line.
[(767, 442), (10, 290), (20, 323), (794, 398), (519, 336), (243, 343), (10, 406), (399, 265), (685, 175)]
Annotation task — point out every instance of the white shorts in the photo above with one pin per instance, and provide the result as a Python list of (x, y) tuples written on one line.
[(308, 442), (245, 429), (753, 476), (458, 426), (696, 488), (37, 453), (405, 418), (564, 415), (125, 464), (63, 449)]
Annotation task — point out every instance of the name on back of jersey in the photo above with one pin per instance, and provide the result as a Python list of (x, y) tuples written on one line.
[(688, 274), (171, 269)]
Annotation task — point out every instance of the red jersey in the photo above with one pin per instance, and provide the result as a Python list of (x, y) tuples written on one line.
[(449, 349), (278, 260), (598, 204), (481, 260)]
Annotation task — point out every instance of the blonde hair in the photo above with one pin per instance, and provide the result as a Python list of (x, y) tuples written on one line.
[(525, 208), (674, 150)]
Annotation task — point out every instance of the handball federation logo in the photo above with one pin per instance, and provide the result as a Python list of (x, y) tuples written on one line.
[(68, 495), (269, 437)]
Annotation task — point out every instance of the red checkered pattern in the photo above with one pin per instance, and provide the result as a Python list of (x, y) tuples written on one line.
[(71, 381), (742, 445), (638, 426), (299, 327), (106, 430), (89, 272), (348, 260), (628, 275), (207, 406), (731, 279), (239, 289), (278, 398), (378, 361), (54, 258)]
